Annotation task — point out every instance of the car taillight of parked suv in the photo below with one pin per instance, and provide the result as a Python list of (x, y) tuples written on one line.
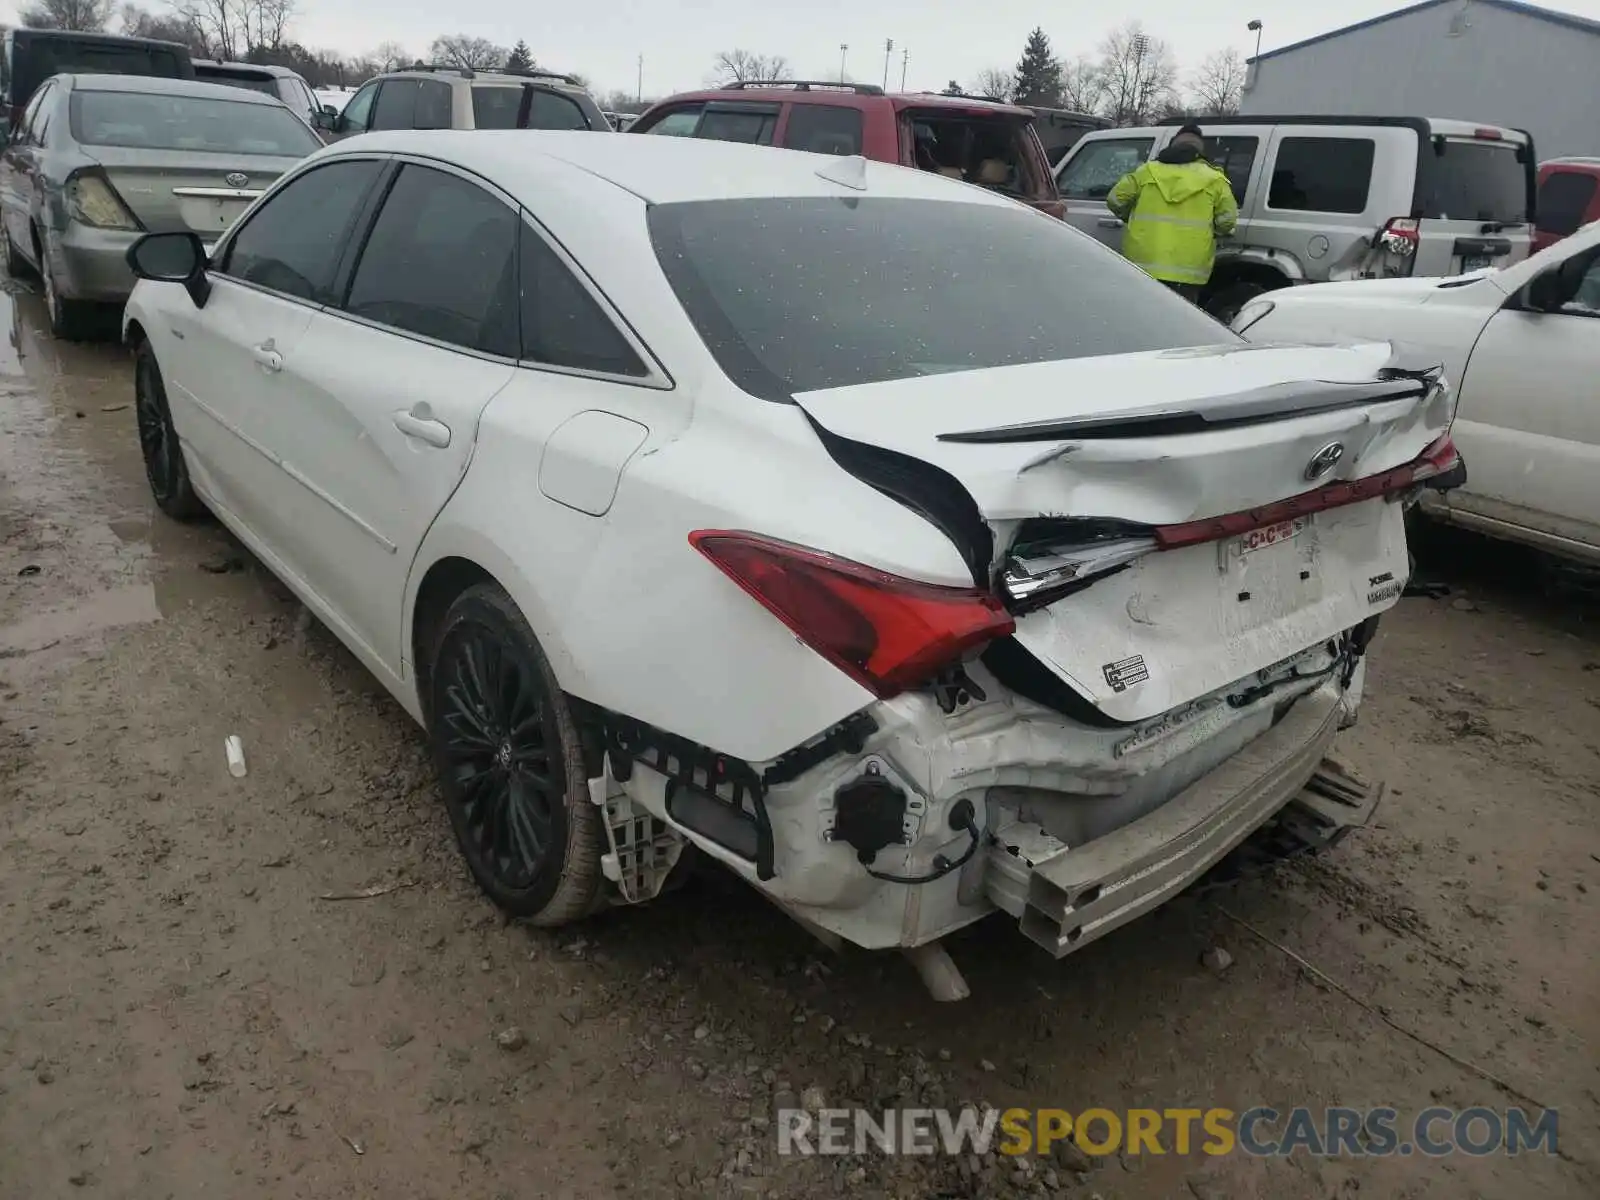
[(978, 141)]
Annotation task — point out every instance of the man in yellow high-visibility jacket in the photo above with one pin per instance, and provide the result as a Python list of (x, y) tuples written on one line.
[(1176, 207)]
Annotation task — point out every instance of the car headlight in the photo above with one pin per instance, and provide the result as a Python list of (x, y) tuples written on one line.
[(1252, 312)]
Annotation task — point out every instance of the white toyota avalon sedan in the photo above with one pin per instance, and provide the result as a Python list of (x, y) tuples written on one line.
[(902, 549)]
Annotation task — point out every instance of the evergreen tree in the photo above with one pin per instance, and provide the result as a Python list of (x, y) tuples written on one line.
[(521, 57), (1038, 79)]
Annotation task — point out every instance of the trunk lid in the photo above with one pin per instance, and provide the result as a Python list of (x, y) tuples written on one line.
[(1087, 455), (174, 191)]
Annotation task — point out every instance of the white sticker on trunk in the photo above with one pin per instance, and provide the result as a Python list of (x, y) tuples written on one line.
[(1272, 535), (1123, 674)]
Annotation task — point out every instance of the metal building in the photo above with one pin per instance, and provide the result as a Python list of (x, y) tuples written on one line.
[(1496, 61)]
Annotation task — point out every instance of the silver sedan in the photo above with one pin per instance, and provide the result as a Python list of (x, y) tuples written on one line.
[(97, 160)]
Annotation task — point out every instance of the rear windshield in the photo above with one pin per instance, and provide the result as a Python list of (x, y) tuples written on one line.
[(1474, 181), (36, 59), (151, 121), (253, 83), (994, 151), (794, 295)]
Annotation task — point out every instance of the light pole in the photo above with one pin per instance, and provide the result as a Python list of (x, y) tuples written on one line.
[(638, 95), (888, 49), (1255, 27), (844, 49), (905, 57)]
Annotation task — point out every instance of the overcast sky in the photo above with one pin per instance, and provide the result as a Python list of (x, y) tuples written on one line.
[(947, 39)]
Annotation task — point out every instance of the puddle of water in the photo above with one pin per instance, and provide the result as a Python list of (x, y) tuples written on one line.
[(133, 605)]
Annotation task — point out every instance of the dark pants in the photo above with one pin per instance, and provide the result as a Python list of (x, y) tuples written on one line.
[(1189, 291)]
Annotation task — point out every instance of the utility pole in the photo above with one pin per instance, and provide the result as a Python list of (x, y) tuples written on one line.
[(888, 49), (844, 49), (1255, 26), (638, 95), (905, 57)]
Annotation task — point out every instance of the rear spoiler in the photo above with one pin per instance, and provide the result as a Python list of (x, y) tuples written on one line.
[(1406, 376)]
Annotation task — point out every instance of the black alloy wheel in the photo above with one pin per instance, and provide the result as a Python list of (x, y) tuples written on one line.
[(164, 464), (509, 761)]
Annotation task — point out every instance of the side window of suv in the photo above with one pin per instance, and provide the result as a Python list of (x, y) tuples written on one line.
[(562, 324), (292, 243), (1322, 174), (823, 129), (753, 124), (433, 105), (550, 110), (1234, 157), (680, 122), (397, 104), (1096, 167), (441, 261), (357, 115)]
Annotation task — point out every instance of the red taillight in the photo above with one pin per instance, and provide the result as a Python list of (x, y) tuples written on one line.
[(1438, 458), (1484, 134), (886, 632), (1400, 235)]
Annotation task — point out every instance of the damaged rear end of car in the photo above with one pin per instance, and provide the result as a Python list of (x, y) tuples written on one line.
[(1177, 546)]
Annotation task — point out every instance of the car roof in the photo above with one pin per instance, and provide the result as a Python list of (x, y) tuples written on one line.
[(156, 85), (659, 170), (847, 95), (485, 75), (239, 68)]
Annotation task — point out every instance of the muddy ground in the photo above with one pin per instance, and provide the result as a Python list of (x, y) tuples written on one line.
[(184, 1012)]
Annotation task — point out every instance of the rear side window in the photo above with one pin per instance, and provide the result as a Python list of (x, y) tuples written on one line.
[(1322, 174), (823, 129), (441, 261), (991, 151), (1234, 157), (396, 104), (1095, 169), (800, 294), (495, 107), (562, 325), (751, 125), (1564, 200), (1467, 180), (548, 110), (680, 122), (292, 243), (433, 106)]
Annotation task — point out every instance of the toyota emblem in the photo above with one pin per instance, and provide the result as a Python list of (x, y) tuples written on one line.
[(1324, 460), (237, 179)]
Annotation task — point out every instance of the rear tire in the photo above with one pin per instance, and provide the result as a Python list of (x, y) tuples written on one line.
[(510, 763), (164, 464), (1225, 303), (16, 266), (70, 320)]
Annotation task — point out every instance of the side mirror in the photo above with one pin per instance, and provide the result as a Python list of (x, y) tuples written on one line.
[(330, 110), (327, 120), (1554, 286), (172, 258)]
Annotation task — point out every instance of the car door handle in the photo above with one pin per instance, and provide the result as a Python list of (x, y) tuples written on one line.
[(1110, 223), (267, 357), (422, 426)]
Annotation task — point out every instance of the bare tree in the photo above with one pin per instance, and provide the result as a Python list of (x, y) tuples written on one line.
[(1082, 88), (138, 22), (1217, 84), (1139, 72), (994, 83), (265, 22), (66, 14), (464, 50), (217, 25), (741, 66), (392, 56)]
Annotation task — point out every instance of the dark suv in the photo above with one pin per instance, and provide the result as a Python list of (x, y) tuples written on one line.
[(978, 141), (459, 98)]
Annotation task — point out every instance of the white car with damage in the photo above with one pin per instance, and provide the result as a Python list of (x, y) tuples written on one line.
[(896, 546)]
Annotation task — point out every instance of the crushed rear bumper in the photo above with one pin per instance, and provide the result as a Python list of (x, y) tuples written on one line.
[(1065, 898)]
